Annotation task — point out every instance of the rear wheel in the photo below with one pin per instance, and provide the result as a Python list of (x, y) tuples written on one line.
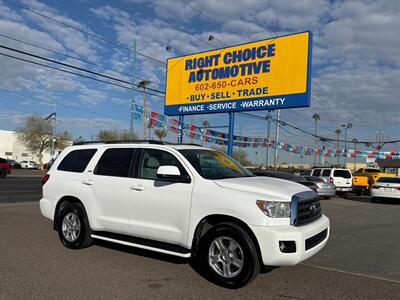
[(228, 256), (327, 197), (374, 200), (73, 226), (3, 173)]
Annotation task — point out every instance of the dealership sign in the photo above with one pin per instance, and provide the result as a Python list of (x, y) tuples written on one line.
[(267, 74)]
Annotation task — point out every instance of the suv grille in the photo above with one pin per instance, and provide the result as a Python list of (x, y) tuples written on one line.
[(316, 239), (306, 211)]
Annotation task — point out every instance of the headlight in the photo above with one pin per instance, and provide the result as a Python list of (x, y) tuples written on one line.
[(274, 209)]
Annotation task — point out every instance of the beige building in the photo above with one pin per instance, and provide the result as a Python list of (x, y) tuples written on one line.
[(11, 148)]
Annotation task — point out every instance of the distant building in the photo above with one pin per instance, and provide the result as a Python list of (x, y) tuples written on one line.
[(11, 148), (389, 165)]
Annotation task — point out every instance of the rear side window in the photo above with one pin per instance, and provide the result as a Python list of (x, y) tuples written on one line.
[(115, 162), (317, 172), (326, 173), (389, 179), (306, 173), (77, 160), (342, 173), (371, 171)]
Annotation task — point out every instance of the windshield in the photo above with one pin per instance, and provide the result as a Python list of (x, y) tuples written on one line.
[(212, 164)]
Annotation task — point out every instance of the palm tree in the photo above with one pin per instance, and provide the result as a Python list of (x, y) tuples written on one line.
[(161, 133), (143, 84), (316, 117)]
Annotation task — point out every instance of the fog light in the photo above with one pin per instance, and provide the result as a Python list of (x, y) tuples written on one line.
[(287, 246)]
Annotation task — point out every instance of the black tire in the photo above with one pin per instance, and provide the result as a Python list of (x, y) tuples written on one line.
[(327, 197), (3, 173), (251, 261), (358, 193), (374, 200), (83, 238)]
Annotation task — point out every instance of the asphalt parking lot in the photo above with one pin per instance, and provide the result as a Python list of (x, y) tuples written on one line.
[(360, 261)]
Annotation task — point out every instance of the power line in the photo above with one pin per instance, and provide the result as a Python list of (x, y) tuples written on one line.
[(84, 31), (74, 73), (73, 57), (74, 67)]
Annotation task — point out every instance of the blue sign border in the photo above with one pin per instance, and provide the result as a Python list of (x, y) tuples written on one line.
[(290, 100)]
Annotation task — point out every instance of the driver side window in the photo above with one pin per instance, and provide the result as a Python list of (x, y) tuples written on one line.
[(154, 158)]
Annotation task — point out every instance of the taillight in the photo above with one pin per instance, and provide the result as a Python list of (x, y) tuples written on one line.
[(45, 178), (331, 180)]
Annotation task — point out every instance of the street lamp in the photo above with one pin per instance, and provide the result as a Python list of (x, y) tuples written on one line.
[(338, 132), (346, 126), (53, 116)]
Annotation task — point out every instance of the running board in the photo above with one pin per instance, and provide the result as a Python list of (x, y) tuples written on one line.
[(142, 243)]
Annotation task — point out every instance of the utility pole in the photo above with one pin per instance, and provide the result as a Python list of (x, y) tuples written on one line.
[(269, 119), (143, 84), (355, 141), (278, 116), (133, 88), (316, 118), (346, 126), (338, 132), (379, 139)]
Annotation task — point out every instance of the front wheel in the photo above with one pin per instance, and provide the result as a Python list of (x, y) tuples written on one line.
[(228, 256), (73, 227)]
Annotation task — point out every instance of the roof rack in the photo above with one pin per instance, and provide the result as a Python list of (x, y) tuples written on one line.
[(121, 142), (133, 142)]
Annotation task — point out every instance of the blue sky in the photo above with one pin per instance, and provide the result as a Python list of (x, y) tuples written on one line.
[(355, 59)]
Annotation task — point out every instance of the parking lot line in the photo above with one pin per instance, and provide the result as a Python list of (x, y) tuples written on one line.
[(350, 273)]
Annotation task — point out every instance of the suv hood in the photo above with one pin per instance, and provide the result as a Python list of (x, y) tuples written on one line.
[(277, 189)]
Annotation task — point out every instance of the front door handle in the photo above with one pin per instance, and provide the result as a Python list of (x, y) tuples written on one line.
[(87, 181), (137, 187)]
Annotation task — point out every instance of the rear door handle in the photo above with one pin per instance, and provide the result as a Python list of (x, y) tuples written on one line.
[(87, 181), (137, 187)]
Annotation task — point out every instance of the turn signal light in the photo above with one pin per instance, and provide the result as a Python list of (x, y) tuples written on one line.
[(331, 180), (45, 178)]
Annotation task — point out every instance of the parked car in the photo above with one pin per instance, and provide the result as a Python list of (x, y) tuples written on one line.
[(5, 168), (182, 200), (14, 164), (25, 164), (385, 187), (372, 174), (286, 176), (341, 178), (324, 189)]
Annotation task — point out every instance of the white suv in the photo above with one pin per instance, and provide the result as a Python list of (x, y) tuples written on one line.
[(183, 200)]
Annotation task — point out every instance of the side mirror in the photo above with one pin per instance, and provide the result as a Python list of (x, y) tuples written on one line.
[(170, 173)]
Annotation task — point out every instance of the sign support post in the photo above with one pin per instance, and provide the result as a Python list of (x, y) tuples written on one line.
[(231, 132), (133, 87)]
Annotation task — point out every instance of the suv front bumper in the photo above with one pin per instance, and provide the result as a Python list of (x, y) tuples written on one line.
[(269, 237)]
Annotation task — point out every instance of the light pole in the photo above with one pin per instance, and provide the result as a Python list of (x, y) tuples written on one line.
[(133, 89), (346, 126), (316, 118), (277, 137), (269, 119), (355, 141), (53, 116), (338, 132)]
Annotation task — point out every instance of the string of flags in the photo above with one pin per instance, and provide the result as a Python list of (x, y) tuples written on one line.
[(220, 138)]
